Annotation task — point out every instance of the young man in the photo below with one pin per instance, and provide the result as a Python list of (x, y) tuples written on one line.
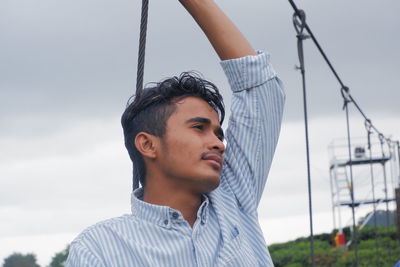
[(198, 203)]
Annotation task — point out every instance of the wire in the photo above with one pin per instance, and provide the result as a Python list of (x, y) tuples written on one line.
[(342, 85), (369, 132), (381, 139), (299, 23), (398, 159), (355, 237), (348, 98)]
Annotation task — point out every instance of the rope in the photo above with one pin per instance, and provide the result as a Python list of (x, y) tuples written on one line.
[(299, 21), (142, 46), (140, 69)]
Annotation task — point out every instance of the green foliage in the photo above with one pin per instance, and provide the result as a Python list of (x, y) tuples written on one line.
[(19, 260), (376, 247), (60, 258)]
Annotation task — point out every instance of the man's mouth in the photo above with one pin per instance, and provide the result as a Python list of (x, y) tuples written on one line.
[(213, 158)]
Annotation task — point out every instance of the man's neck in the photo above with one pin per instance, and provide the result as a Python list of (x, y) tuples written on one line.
[(176, 198)]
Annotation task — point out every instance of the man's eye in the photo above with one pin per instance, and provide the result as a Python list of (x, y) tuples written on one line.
[(201, 127)]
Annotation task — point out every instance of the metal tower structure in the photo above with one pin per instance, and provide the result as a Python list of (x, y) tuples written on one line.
[(370, 182)]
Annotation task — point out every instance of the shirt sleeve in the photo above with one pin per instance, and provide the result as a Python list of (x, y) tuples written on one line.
[(253, 127), (80, 256)]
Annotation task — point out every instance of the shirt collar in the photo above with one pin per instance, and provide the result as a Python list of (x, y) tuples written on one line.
[(162, 215)]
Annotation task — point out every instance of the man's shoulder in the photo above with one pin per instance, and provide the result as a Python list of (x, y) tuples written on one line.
[(95, 246), (104, 228)]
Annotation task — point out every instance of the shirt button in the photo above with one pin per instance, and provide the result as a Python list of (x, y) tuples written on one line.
[(175, 215), (235, 232), (166, 222)]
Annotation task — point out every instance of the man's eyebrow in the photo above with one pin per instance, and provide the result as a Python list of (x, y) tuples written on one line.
[(199, 119)]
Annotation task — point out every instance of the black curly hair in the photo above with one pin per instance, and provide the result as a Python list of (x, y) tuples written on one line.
[(151, 108)]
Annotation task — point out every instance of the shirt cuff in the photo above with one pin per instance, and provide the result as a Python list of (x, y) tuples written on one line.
[(248, 72)]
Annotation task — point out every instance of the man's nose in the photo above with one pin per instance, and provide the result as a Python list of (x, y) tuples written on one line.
[(217, 144)]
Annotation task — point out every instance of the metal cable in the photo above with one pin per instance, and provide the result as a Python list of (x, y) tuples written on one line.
[(369, 132), (351, 98), (392, 159), (142, 46), (398, 159), (381, 140), (348, 98), (140, 69), (299, 23), (354, 237)]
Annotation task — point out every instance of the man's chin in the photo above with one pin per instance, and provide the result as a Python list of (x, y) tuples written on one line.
[(210, 184)]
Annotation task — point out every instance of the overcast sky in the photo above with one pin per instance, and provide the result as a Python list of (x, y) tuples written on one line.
[(67, 69)]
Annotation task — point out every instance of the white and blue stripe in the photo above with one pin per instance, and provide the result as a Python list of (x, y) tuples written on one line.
[(226, 232)]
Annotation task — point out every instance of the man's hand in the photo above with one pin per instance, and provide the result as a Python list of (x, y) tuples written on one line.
[(223, 35)]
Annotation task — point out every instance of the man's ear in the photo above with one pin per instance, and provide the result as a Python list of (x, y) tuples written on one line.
[(146, 144)]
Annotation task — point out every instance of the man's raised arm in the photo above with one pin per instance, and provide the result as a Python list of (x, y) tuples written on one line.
[(257, 104), (225, 37)]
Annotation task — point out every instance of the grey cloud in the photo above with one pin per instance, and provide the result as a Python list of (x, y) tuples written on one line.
[(80, 59)]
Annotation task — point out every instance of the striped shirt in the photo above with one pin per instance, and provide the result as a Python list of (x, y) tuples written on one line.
[(227, 231)]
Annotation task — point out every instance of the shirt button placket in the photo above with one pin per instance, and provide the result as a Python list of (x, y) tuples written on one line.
[(203, 219)]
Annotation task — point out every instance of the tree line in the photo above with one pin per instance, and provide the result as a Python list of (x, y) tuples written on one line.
[(376, 247), (29, 260)]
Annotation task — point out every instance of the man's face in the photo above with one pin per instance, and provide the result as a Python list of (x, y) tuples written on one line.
[(191, 152)]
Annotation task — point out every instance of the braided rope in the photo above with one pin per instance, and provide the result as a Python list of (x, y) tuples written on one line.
[(142, 46), (140, 69)]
